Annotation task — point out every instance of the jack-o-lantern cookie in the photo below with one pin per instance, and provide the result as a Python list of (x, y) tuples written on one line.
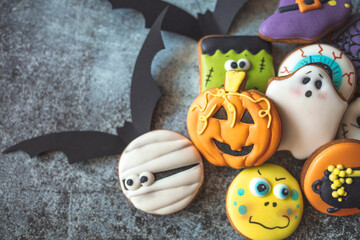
[(310, 109), (264, 202), (160, 172), (350, 124), (234, 128), (330, 178), (338, 66)]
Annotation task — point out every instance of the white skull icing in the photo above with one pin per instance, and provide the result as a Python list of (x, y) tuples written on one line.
[(145, 176), (350, 124), (310, 109)]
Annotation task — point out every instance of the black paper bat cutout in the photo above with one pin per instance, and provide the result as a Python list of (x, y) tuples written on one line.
[(80, 146), (181, 22)]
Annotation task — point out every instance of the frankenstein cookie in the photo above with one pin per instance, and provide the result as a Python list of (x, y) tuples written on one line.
[(330, 178), (218, 54), (160, 172), (264, 202), (235, 128)]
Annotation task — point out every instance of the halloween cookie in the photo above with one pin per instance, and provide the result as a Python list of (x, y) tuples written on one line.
[(310, 109), (264, 202), (330, 178), (218, 54), (350, 124), (234, 128), (160, 172), (335, 62), (347, 39), (303, 21)]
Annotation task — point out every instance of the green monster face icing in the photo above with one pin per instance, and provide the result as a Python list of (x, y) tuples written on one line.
[(221, 54)]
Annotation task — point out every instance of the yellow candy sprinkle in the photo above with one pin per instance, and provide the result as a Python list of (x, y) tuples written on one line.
[(340, 191), (337, 183), (347, 5), (333, 187), (349, 181), (335, 194), (333, 177), (349, 171), (336, 171), (340, 199), (345, 194), (342, 174), (342, 180), (340, 166), (331, 168), (332, 3)]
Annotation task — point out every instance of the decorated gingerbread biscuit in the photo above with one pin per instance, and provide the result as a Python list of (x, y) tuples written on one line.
[(304, 21), (331, 178), (160, 172), (264, 202), (350, 124), (310, 109), (334, 61), (235, 128), (218, 54), (347, 39)]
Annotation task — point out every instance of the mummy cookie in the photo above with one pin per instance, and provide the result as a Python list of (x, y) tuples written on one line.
[(304, 21), (347, 39), (264, 202), (331, 178), (160, 172), (350, 124), (310, 109), (218, 54), (234, 128), (336, 63)]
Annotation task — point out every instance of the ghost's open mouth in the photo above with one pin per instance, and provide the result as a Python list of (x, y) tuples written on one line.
[(270, 228), (225, 148)]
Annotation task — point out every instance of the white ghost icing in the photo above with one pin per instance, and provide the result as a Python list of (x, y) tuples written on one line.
[(310, 109), (161, 151), (350, 124)]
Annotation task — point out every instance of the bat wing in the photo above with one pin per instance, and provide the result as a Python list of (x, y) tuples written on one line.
[(219, 21), (177, 20), (78, 146), (144, 91)]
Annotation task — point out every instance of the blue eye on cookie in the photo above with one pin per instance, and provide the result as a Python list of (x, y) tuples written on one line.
[(259, 187), (281, 191)]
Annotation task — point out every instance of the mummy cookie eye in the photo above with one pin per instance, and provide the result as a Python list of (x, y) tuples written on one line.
[(259, 187), (281, 191), (132, 182), (230, 65), (318, 84), (306, 80), (146, 178), (244, 64)]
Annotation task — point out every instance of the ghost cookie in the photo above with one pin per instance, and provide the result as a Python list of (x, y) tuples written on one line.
[(338, 66), (160, 172), (330, 178), (264, 202), (310, 109), (218, 54), (350, 124), (232, 127)]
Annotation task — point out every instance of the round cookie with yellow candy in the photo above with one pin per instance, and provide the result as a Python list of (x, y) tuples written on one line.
[(264, 202)]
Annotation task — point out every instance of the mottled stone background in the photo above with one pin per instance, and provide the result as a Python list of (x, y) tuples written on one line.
[(67, 65)]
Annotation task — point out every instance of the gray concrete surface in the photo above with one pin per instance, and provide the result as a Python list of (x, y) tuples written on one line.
[(67, 65)]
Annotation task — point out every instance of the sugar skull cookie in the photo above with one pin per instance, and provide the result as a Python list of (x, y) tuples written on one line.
[(218, 54), (331, 178), (160, 172), (232, 128), (350, 124), (338, 66), (310, 109), (264, 202)]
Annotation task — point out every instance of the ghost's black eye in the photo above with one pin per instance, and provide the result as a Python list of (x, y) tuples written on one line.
[(246, 118), (318, 84), (221, 114), (306, 80)]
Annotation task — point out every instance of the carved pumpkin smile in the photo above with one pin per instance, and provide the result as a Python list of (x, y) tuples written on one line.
[(234, 128)]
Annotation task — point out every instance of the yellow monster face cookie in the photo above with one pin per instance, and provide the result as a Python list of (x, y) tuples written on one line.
[(264, 202)]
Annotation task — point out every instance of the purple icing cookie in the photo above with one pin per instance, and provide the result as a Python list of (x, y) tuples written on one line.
[(347, 39), (304, 21)]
